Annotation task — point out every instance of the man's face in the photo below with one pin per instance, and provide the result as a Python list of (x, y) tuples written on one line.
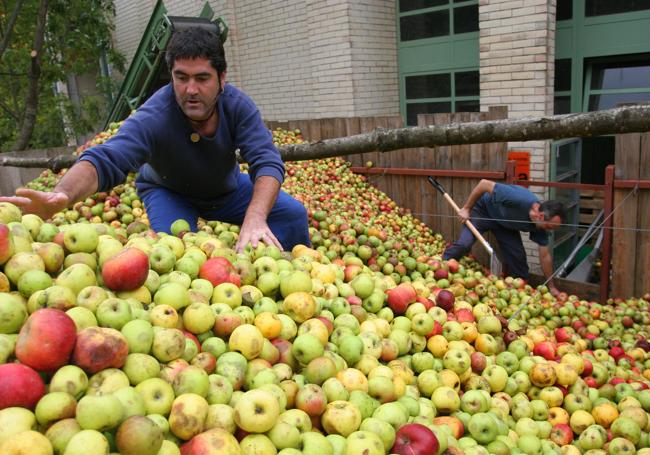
[(196, 87), (550, 224)]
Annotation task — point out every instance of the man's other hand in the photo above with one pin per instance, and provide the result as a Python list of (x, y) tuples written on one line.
[(253, 231), (41, 203)]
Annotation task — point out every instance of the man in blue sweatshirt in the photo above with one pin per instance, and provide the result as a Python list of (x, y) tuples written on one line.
[(505, 210), (182, 141)]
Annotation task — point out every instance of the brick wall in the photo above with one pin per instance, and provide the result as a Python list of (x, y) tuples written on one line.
[(517, 53), (298, 59)]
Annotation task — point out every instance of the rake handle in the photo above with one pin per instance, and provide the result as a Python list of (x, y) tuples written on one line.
[(468, 223)]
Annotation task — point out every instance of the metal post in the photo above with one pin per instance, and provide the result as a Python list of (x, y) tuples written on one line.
[(608, 206), (510, 171)]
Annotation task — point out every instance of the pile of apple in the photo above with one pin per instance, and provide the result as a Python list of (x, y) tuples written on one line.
[(147, 343)]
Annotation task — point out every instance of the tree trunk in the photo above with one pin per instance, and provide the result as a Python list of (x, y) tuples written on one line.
[(632, 119), (31, 100)]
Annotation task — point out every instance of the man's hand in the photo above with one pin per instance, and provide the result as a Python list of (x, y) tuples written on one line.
[(252, 231), (39, 203), (553, 290), (463, 215)]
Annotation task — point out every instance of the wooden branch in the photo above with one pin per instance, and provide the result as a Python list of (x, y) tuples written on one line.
[(55, 163), (629, 119)]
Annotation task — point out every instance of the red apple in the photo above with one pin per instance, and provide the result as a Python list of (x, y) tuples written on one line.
[(561, 434), (20, 386), (219, 270), (6, 243), (562, 335), (445, 299), (465, 315), (127, 270), (428, 304), (545, 349), (46, 340), (415, 439), (588, 368), (400, 297), (453, 265), (441, 274)]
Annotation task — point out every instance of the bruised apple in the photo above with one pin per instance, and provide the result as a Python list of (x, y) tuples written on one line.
[(98, 348)]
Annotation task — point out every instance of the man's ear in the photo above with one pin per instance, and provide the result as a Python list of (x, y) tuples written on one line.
[(222, 79)]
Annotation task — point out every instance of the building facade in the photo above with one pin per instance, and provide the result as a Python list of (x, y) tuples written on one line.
[(303, 59)]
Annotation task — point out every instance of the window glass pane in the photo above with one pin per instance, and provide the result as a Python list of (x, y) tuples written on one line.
[(564, 10), (612, 100), (413, 109), (467, 83), (410, 5), (468, 106), (428, 86), (563, 75), (466, 19), (427, 25), (620, 75), (602, 7), (562, 105)]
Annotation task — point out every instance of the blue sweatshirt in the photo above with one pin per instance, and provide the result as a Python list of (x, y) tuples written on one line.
[(156, 141), (510, 206)]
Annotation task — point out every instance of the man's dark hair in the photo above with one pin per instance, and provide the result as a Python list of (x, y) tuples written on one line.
[(196, 42), (553, 208)]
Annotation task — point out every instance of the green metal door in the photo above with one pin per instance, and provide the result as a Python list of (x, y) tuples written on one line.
[(565, 167)]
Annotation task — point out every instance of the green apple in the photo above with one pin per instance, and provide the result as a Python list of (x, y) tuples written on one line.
[(140, 367), (132, 402), (139, 336), (284, 436), (60, 433), (55, 406), (99, 412), (14, 420), (76, 277), (87, 441), (138, 435), (81, 238), (107, 381), (157, 394), (364, 442), (114, 313), (162, 259), (192, 379), (13, 313), (70, 379), (257, 411), (82, 317)]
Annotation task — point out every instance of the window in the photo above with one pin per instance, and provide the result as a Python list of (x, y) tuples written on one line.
[(562, 101), (427, 25), (610, 83), (410, 5), (604, 7), (564, 10), (421, 19), (456, 91)]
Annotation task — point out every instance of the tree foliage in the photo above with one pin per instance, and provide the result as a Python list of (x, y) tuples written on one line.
[(74, 36)]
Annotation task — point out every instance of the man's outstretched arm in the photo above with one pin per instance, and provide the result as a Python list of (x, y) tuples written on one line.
[(77, 184)]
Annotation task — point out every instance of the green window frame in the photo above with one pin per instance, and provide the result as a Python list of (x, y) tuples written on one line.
[(457, 99), (635, 93), (448, 13)]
